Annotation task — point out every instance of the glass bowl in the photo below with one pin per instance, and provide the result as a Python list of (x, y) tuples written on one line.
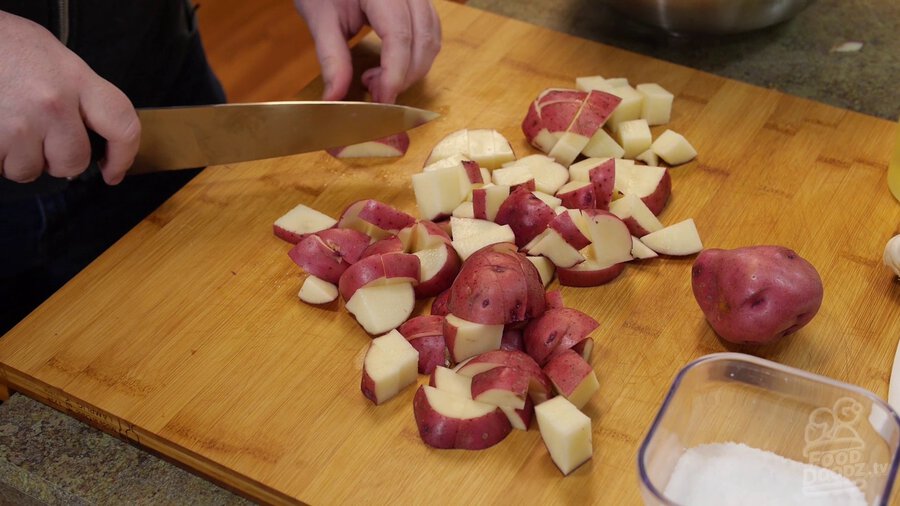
[(810, 419)]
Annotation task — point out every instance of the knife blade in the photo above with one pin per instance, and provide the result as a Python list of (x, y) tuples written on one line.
[(175, 138)]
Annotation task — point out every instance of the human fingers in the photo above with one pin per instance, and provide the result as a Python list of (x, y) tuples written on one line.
[(332, 51), (426, 43), (392, 22), (66, 148), (108, 112), (22, 153)]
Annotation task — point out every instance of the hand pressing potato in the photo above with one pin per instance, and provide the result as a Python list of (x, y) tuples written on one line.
[(757, 294)]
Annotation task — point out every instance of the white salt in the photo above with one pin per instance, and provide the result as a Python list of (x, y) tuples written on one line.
[(733, 474)]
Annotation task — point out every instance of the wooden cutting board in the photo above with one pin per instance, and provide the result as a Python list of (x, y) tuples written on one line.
[(187, 336)]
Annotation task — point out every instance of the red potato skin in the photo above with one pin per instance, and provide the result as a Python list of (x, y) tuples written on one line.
[(439, 431), (497, 285), (473, 171), (391, 244), (384, 216), (501, 378), (526, 414), (525, 214), (443, 278), (635, 228), (532, 125), (555, 331), (566, 371), (371, 268), (587, 278), (529, 185), (287, 235), (657, 200), (579, 198), (439, 306), (329, 253), (756, 294), (368, 388), (479, 203), (539, 387), (598, 106), (512, 340), (425, 334), (554, 300), (603, 179), (569, 231)]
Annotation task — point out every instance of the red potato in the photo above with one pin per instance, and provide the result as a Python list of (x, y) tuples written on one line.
[(389, 367), (328, 253), (651, 184), (447, 420), (756, 294), (611, 241), (497, 285), (438, 268), (487, 201), (317, 291), (549, 115), (554, 300), (299, 222), (521, 419), (374, 218), (565, 224), (603, 178), (577, 195), (551, 245), (386, 268), (503, 387), (426, 334), (572, 377), (466, 339), (595, 110), (639, 219), (391, 146), (525, 214), (556, 331), (391, 244), (512, 340), (589, 273), (439, 306), (539, 387), (382, 306)]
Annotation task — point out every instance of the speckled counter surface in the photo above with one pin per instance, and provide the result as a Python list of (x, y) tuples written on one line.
[(49, 458)]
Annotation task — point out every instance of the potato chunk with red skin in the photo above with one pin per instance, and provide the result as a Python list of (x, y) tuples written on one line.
[(448, 420), (497, 285), (756, 294)]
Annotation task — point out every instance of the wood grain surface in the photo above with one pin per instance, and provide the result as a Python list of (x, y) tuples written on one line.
[(187, 336)]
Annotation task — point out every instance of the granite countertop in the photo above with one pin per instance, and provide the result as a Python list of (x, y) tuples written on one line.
[(49, 458)]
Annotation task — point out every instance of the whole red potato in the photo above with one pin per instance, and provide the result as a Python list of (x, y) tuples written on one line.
[(756, 294)]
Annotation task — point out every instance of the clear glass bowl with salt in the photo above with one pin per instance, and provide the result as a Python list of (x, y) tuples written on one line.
[(736, 429)]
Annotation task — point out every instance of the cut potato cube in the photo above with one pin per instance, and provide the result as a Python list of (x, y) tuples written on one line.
[(391, 364), (464, 210), (628, 110), (673, 148), (545, 268), (588, 83), (439, 191), (472, 243), (679, 239), (466, 339), (657, 104), (449, 380), (648, 157), (602, 145), (380, 308), (634, 136), (566, 432)]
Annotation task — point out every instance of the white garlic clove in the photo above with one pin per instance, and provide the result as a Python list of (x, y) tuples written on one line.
[(892, 254)]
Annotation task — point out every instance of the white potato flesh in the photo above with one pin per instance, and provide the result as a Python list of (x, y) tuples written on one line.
[(317, 291), (382, 307), (657, 104), (545, 268), (580, 171), (512, 175), (455, 406), (566, 432), (472, 243), (472, 338), (460, 228), (602, 145), (610, 239), (304, 220), (649, 157), (638, 180), (438, 192), (550, 200), (449, 380), (640, 250), (629, 109), (680, 239), (631, 206), (673, 148), (392, 364), (431, 261), (464, 210), (634, 136), (552, 246), (454, 143)]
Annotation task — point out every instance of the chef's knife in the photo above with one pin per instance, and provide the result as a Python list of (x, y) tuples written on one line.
[(186, 137)]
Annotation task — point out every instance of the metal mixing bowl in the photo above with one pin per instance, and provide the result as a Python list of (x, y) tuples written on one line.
[(709, 16)]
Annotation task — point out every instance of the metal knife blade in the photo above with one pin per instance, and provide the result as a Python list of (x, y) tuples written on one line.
[(186, 137)]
